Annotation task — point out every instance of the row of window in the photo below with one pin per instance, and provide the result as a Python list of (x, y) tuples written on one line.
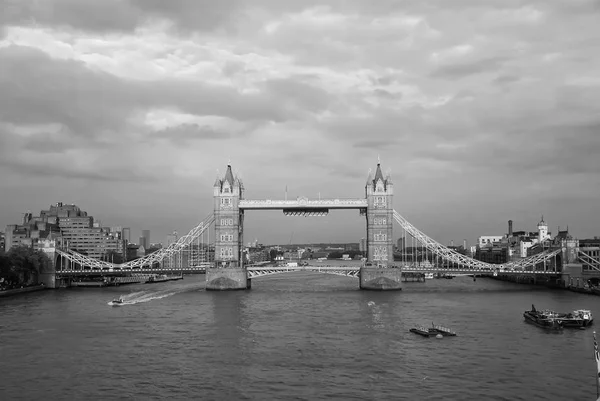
[(226, 222), (380, 237), (380, 201), (227, 237), (379, 221), (226, 253), (380, 253)]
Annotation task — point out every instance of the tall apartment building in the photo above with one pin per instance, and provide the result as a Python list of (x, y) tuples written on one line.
[(126, 233), (145, 239), (70, 227)]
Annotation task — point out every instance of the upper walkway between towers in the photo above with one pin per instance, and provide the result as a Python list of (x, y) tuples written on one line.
[(302, 203)]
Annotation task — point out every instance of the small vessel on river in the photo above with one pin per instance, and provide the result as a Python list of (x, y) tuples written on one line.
[(117, 302), (545, 319), (446, 332), (580, 318), (433, 331), (425, 332)]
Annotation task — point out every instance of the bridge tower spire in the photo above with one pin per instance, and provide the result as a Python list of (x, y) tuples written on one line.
[(228, 272), (379, 192)]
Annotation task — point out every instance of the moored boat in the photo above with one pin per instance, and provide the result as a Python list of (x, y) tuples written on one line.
[(545, 319), (425, 332), (446, 332), (578, 318)]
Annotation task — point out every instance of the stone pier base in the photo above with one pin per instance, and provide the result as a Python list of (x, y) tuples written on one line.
[(380, 279), (227, 279), (48, 279)]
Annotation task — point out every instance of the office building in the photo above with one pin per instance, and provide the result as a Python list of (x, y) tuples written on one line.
[(69, 227)]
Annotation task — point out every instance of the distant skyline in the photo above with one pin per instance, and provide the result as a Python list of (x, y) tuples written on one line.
[(483, 111)]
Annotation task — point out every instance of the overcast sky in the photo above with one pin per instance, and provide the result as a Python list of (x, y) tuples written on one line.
[(483, 111)]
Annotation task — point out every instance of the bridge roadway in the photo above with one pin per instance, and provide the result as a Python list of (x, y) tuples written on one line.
[(350, 271)]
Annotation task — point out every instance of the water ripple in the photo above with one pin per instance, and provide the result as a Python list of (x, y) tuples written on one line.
[(293, 337)]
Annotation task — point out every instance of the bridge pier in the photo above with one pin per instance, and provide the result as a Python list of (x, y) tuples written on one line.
[(227, 279), (380, 278), (49, 280)]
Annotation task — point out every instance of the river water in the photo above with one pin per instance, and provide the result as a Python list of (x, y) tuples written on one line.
[(294, 336)]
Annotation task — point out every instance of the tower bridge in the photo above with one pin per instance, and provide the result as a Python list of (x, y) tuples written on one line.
[(228, 271)]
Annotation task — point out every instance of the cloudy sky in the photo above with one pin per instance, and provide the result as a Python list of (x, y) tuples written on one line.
[(483, 111)]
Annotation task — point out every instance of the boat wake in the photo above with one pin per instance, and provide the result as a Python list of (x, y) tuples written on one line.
[(147, 296)]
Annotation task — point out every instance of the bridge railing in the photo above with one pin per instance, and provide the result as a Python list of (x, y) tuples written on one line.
[(146, 261), (463, 260), (588, 260)]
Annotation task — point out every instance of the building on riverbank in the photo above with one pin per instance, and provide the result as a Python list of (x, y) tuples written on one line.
[(512, 246), (70, 227)]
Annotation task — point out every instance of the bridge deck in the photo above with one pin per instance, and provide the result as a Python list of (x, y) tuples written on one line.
[(256, 271), (301, 203)]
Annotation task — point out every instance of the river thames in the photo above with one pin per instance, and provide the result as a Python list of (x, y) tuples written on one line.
[(295, 336)]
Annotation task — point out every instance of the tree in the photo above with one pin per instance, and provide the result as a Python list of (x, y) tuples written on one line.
[(22, 265)]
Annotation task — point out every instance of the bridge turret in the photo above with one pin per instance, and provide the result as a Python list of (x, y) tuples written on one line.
[(379, 193), (228, 220)]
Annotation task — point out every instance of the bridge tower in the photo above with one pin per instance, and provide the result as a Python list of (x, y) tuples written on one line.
[(228, 272), (379, 193)]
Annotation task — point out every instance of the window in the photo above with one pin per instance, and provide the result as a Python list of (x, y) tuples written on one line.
[(225, 201), (226, 222), (227, 237), (380, 253), (380, 237), (379, 221), (380, 201), (226, 253)]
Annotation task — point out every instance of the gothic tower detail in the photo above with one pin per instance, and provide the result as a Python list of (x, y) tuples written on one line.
[(228, 220), (542, 230), (379, 193)]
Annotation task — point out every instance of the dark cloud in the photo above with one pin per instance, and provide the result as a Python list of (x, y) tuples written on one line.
[(46, 143), (556, 150), (37, 89), (458, 71), (191, 15), (65, 171), (118, 15), (185, 133), (88, 15), (299, 95), (384, 94), (506, 79), (372, 144)]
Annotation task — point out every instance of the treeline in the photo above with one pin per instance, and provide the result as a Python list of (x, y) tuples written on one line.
[(338, 255), (21, 266)]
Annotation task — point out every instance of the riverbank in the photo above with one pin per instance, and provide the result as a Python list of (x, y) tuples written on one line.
[(16, 291)]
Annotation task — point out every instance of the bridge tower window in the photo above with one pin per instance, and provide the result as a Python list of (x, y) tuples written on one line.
[(379, 221), (380, 237), (380, 253), (226, 253), (227, 237)]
